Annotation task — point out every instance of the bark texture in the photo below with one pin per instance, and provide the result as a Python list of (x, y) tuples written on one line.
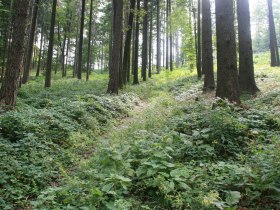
[(207, 47), (10, 85), (227, 81), (247, 81)]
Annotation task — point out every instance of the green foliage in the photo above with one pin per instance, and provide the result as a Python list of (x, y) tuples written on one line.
[(200, 158), (46, 135)]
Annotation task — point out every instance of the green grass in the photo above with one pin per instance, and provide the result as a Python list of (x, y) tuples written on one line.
[(159, 145)]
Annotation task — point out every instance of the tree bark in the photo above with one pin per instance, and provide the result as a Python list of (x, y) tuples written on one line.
[(274, 51), (127, 47), (117, 10), (145, 42), (81, 41), (10, 85), (227, 81), (50, 49), (89, 40), (247, 81), (136, 45), (171, 38), (198, 59), (158, 38), (207, 47), (26, 73), (151, 41)]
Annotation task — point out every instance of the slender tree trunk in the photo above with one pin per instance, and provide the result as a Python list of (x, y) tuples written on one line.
[(167, 36), (81, 41), (151, 41), (177, 50), (198, 61), (127, 47), (26, 73), (40, 51), (145, 42), (50, 49), (117, 10), (227, 81), (89, 40), (136, 50), (171, 38), (272, 34), (158, 38), (207, 47), (10, 85), (247, 81)]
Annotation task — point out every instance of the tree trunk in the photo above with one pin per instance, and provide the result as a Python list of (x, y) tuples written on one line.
[(10, 85), (171, 38), (81, 41), (50, 49), (167, 36), (89, 40), (227, 81), (151, 41), (26, 73), (207, 47), (117, 10), (40, 51), (274, 52), (158, 39), (145, 42), (136, 50), (127, 46), (198, 59), (247, 81)]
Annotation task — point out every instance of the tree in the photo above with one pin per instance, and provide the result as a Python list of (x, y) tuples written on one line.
[(26, 72), (207, 46), (158, 38), (89, 40), (170, 37), (81, 41), (274, 51), (145, 42), (127, 47), (50, 48), (10, 85), (117, 14), (198, 59), (247, 81), (136, 46), (227, 80)]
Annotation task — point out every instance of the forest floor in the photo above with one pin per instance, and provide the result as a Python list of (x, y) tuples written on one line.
[(161, 145)]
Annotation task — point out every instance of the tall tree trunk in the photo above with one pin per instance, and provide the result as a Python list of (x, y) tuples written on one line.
[(117, 10), (145, 42), (10, 85), (247, 81), (151, 41), (89, 40), (40, 51), (158, 38), (198, 59), (167, 36), (207, 47), (227, 81), (50, 49), (274, 51), (81, 41), (127, 46), (26, 73), (177, 49), (171, 38), (136, 50)]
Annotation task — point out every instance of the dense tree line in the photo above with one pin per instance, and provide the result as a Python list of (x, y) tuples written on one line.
[(131, 39)]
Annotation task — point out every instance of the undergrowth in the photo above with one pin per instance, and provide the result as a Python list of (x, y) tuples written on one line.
[(60, 150)]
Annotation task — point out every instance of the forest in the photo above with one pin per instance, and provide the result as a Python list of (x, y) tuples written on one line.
[(140, 104)]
